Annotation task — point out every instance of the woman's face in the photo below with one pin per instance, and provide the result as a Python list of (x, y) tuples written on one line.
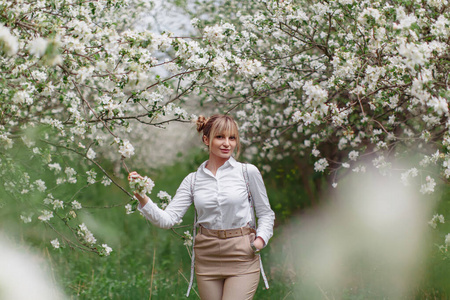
[(222, 145)]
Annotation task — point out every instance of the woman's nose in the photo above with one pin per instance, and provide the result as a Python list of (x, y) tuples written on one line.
[(226, 141)]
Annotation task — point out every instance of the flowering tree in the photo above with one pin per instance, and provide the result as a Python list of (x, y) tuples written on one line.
[(336, 84), (78, 83), (328, 83), (339, 81)]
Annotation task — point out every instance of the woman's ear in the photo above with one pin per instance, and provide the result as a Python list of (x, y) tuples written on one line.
[(206, 140)]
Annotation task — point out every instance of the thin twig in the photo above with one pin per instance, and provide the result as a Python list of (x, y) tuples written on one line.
[(153, 272), (179, 271)]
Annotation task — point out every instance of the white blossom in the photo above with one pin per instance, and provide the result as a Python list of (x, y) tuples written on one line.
[(439, 105), (447, 239), (428, 186), (434, 221), (87, 235), (76, 205), (40, 185), (106, 181), (321, 165), (129, 209), (8, 43), (55, 167), (187, 237), (353, 155), (38, 46), (141, 185), (91, 154), (55, 243), (26, 219), (106, 250), (46, 215), (57, 204), (126, 149)]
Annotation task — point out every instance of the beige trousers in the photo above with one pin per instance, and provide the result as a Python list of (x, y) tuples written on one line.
[(226, 269)]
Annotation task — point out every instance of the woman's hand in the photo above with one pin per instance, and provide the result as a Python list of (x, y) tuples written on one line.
[(259, 243), (134, 175), (142, 200)]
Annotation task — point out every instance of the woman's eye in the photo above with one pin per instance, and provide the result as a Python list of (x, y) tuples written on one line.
[(232, 137), (219, 136)]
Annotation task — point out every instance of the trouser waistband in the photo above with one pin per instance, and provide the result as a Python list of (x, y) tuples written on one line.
[(227, 233)]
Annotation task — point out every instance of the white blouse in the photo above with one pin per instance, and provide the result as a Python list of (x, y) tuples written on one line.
[(221, 201)]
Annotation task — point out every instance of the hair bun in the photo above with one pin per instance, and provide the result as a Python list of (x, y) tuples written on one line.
[(201, 122)]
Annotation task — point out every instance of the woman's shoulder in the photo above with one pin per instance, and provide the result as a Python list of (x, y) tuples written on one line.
[(188, 180), (251, 168), (189, 176)]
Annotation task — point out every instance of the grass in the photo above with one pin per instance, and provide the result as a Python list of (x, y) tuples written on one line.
[(152, 263)]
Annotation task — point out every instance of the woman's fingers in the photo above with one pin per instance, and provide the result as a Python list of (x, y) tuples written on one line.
[(133, 175)]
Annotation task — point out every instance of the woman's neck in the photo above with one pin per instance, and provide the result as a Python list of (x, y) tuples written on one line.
[(214, 163)]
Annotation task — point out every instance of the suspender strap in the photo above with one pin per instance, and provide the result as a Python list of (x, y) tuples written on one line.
[(194, 233), (253, 221)]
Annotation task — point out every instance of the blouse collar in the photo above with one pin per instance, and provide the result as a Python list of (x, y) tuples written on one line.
[(231, 162)]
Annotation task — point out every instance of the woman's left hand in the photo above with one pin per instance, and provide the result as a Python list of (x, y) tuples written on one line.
[(259, 243)]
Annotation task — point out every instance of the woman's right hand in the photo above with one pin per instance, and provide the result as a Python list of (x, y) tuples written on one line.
[(142, 200), (133, 175)]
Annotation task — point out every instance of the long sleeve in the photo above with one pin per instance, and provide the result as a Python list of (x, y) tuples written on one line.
[(176, 209), (264, 212)]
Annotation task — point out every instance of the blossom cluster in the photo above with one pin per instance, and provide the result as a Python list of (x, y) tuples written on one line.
[(187, 237), (86, 234), (141, 184), (165, 198)]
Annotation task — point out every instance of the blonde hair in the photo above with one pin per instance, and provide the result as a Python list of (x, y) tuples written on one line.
[(219, 124)]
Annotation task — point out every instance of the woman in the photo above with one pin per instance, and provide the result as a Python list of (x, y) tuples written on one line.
[(227, 265)]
